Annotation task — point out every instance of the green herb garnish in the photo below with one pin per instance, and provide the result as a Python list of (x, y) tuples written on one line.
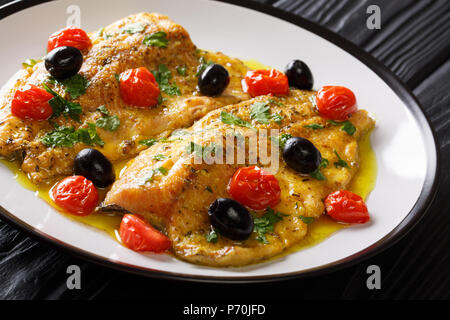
[(30, 63), (307, 220), (318, 175), (68, 137), (157, 39), (148, 142), (159, 157), (107, 122), (163, 76), (340, 163), (149, 178), (231, 119), (260, 112), (266, 224), (346, 126), (203, 65), (209, 189), (212, 237), (75, 86), (133, 28), (61, 106), (182, 70), (315, 127)]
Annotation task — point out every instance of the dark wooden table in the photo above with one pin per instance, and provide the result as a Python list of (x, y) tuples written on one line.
[(414, 42)]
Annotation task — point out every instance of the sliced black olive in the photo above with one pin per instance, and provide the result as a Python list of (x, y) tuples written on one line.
[(214, 80), (231, 219), (64, 62), (94, 166), (301, 155), (299, 75)]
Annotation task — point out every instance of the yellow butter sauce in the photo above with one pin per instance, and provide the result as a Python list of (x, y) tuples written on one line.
[(362, 184)]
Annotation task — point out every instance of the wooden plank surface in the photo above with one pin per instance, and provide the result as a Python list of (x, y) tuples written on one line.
[(414, 44)]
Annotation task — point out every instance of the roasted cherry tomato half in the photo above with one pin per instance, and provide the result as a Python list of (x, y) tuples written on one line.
[(77, 195), (262, 82), (31, 103), (140, 236), (231, 219), (64, 62), (345, 206), (255, 188), (69, 37), (138, 87), (336, 103), (93, 165)]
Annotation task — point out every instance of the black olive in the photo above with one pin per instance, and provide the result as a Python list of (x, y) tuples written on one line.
[(214, 80), (299, 75), (94, 166), (231, 219), (64, 62), (301, 155)]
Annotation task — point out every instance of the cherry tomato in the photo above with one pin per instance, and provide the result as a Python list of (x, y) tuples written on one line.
[(31, 103), (336, 103), (347, 207), (77, 195), (140, 236), (255, 188), (69, 37), (262, 82), (138, 87)]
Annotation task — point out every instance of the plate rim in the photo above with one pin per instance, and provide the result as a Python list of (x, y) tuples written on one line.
[(419, 210)]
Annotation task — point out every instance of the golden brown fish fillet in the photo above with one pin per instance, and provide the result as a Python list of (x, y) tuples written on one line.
[(113, 52), (178, 202)]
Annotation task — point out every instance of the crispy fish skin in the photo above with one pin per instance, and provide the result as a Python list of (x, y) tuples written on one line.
[(113, 52), (182, 197)]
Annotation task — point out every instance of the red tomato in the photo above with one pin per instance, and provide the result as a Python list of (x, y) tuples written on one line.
[(262, 82), (336, 103), (69, 37), (140, 236), (31, 103), (255, 188), (139, 88), (77, 195), (347, 207)]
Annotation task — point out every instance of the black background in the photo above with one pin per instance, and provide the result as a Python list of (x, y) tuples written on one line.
[(413, 43)]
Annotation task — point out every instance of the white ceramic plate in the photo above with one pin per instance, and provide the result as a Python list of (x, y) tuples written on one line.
[(403, 140)]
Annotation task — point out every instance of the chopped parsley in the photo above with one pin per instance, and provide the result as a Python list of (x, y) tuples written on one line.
[(148, 142), (68, 137), (150, 177), (276, 102), (340, 163), (307, 220), (133, 28), (157, 39), (281, 140), (203, 65), (182, 70), (212, 237), (231, 119), (159, 157), (61, 106), (107, 121), (346, 126), (30, 63), (266, 224), (200, 151), (315, 126), (278, 118), (75, 86), (260, 112), (163, 76), (318, 175), (209, 189)]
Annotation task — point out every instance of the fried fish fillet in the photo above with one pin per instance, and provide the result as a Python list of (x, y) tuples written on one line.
[(176, 198), (114, 51)]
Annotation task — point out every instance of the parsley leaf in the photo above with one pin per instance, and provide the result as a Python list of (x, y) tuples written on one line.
[(157, 39), (266, 224), (107, 122), (159, 157), (203, 65), (150, 177), (212, 237), (260, 112), (68, 137), (62, 106), (182, 70), (307, 220), (318, 175), (347, 126), (133, 28), (341, 163), (30, 63), (231, 119), (148, 142), (163, 76), (209, 189), (282, 140), (314, 126), (278, 118), (75, 86)]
